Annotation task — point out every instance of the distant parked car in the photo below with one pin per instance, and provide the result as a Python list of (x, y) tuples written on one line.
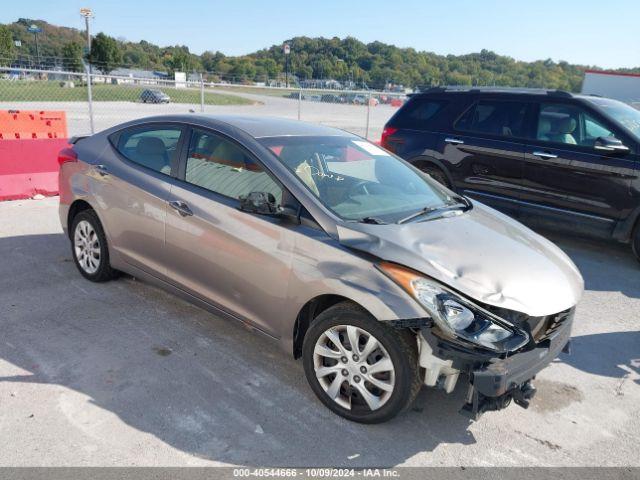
[(154, 96), (546, 157), (331, 98)]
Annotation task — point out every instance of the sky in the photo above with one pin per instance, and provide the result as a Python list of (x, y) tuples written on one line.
[(587, 32)]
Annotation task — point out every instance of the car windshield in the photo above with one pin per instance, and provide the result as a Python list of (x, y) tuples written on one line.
[(621, 113), (358, 180)]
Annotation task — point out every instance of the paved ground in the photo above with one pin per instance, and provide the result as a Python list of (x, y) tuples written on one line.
[(125, 374), (107, 114)]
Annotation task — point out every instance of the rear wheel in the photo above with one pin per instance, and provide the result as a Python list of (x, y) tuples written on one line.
[(437, 174), (360, 368), (89, 247)]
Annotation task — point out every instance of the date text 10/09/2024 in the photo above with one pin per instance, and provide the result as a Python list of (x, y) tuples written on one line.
[(316, 472)]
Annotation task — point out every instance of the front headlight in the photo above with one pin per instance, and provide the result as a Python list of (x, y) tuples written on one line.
[(457, 317)]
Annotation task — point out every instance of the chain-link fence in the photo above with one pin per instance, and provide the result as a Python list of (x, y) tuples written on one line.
[(110, 99)]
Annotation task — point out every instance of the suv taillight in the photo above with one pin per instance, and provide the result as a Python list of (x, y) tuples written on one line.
[(67, 155), (384, 140)]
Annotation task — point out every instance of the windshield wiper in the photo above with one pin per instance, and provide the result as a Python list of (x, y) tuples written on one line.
[(372, 220), (462, 203)]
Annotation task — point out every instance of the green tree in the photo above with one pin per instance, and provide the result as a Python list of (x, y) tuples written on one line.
[(72, 57), (6, 45), (105, 53)]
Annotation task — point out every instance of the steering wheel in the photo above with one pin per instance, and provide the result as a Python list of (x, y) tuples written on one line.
[(360, 185)]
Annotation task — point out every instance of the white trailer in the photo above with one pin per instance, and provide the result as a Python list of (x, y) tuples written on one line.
[(621, 86)]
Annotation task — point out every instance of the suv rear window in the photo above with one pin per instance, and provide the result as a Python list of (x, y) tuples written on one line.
[(494, 117), (419, 113)]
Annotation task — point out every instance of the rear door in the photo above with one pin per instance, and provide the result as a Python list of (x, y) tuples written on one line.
[(568, 181), (134, 183), (485, 151), (235, 260)]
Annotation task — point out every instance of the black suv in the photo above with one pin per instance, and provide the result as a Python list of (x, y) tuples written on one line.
[(546, 157)]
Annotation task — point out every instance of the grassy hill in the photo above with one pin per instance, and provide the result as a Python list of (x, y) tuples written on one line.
[(374, 64)]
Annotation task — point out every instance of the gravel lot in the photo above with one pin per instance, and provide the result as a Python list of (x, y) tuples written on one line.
[(125, 374), (107, 114)]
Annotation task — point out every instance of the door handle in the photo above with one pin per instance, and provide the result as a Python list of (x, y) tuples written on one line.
[(545, 155), (102, 170), (181, 207), (454, 141), (480, 169)]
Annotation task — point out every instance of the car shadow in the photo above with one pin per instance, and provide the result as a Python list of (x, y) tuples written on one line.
[(201, 384), (605, 265), (615, 354)]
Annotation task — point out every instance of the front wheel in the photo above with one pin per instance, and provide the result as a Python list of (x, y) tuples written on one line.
[(360, 368)]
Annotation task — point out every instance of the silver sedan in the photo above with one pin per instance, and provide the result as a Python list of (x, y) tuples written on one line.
[(374, 274)]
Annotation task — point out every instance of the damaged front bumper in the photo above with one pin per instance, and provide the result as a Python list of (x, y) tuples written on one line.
[(494, 381)]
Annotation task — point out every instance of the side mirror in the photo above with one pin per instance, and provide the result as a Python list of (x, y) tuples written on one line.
[(610, 144), (263, 203)]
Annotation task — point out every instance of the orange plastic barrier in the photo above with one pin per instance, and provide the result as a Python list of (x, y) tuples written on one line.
[(29, 146)]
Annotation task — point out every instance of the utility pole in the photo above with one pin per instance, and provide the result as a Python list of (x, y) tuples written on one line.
[(87, 13), (287, 51)]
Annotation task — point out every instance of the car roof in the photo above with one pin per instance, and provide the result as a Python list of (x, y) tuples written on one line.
[(496, 91), (257, 126)]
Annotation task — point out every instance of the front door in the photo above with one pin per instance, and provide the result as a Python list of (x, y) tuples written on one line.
[(238, 261), (567, 181), (485, 151)]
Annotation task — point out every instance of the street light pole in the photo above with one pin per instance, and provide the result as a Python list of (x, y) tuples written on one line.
[(87, 13), (287, 51), (36, 30)]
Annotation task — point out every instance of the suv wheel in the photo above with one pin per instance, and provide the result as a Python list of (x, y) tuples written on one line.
[(635, 242), (89, 247), (437, 174), (360, 368)]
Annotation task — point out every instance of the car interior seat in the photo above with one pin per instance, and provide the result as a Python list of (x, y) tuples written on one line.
[(152, 153), (544, 128), (563, 131)]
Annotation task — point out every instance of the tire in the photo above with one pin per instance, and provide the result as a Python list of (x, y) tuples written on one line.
[(394, 345), (89, 247), (437, 174)]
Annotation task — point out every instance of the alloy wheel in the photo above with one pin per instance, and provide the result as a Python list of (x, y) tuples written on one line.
[(87, 247), (353, 368)]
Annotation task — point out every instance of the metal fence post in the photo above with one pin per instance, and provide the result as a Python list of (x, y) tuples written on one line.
[(90, 100), (299, 102), (366, 135), (201, 93)]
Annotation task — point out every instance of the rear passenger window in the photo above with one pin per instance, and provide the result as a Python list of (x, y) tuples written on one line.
[(494, 117), (152, 148), (419, 113), (223, 167)]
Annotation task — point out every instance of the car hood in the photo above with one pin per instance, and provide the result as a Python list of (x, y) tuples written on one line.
[(483, 254)]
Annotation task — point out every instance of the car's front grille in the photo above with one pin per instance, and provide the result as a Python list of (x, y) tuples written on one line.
[(545, 327)]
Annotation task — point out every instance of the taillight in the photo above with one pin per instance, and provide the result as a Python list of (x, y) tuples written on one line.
[(384, 140), (67, 155)]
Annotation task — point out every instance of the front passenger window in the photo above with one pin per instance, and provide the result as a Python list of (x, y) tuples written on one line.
[(569, 124), (221, 166)]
